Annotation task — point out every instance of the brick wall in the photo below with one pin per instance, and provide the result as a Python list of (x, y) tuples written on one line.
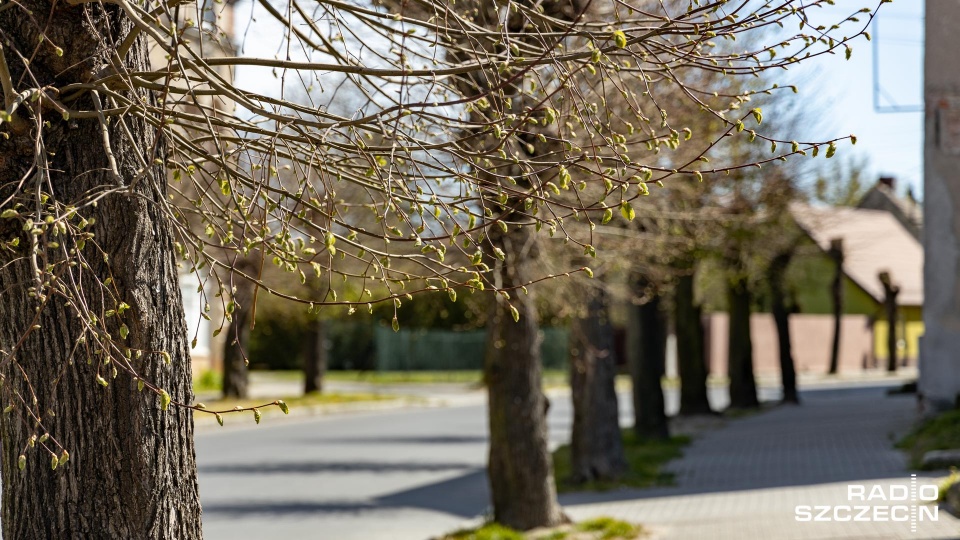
[(811, 337)]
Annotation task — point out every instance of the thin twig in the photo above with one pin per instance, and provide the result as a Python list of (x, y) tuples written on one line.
[(9, 94), (105, 133)]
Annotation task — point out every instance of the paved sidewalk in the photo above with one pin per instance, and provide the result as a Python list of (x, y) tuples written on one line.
[(744, 480)]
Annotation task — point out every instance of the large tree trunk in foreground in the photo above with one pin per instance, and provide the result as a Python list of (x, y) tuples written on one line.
[(236, 376), (314, 357), (132, 471), (743, 387), (596, 448), (776, 273), (836, 295), (646, 355), (691, 364), (520, 468)]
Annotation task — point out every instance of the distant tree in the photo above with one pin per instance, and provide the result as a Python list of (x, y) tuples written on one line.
[(890, 292), (691, 353), (647, 355), (776, 277), (842, 182), (743, 386), (314, 356), (836, 296), (241, 309), (596, 449)]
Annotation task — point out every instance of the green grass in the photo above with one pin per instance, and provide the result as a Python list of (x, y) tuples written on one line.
[(939, 433), (490, 531), (947, 483), (335, 398), (550, 376), (645, 458), (399, 377), (607, 528), (281, 374), (309, 400), (602, 528), (208, 381)]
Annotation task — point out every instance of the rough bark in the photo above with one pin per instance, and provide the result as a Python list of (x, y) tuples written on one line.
[(132, 471), (743, 387), (236, 376), (647, 355), (836, 294), (314, 357), (520, 468), (890, 292), (776, 273), (691, 361), (596, 447)]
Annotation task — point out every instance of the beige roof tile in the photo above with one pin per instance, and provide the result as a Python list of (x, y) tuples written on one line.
[(873, 241)]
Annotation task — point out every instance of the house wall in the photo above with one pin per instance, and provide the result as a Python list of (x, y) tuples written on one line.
[(909, 331), (207, 354), (812, 338), (810, 276), (202, 322)]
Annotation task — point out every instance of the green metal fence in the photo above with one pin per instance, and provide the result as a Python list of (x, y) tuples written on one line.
[(412, 350)]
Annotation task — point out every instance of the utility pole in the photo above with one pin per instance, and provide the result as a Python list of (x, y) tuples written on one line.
[(940, 361)]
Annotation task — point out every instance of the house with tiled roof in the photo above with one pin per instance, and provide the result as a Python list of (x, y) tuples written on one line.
[(906, 209), (874, 241)]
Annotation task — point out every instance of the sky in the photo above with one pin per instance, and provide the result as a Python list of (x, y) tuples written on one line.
[(841, 92), (891, 142)]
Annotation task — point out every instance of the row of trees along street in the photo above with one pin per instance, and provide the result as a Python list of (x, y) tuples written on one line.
[(396, 148)]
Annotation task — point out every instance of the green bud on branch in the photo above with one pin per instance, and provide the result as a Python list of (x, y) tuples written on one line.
[(164, 400)]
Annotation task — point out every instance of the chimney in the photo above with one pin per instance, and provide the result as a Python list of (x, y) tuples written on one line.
[(888, 181)]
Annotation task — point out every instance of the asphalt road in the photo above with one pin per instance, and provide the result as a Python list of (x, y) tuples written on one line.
[(391, 475), (403, 474), (406, 474)]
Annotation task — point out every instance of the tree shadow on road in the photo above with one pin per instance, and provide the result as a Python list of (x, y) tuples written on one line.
[(316, 467), (465, 496), (438, 439)]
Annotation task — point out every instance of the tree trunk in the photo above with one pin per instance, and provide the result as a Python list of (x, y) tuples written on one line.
[(596, 447), (236, 376), (743, 387), (691, 363), (520, 467), (781, 316), (131, 471), (836, 294), (314, 357), (647, 354), (890, 292)]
